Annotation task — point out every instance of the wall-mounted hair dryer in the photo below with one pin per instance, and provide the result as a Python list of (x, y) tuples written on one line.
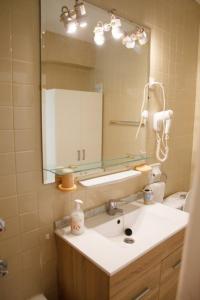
[(161, 123)]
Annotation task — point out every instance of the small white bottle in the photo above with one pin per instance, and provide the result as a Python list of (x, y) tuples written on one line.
[(77, 218)]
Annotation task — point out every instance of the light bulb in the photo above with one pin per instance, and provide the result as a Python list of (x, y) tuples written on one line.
[(128, 42), (117, 33), (83, 22), (79, 8), (99, 39), (130, 45), (72, 27), (143, 39)]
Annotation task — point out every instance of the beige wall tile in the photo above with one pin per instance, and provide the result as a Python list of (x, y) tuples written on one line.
[(23, 72), (7, 185), (5, 70), (5, 32), (12, 228), (23, 118), (5, 94), (31, 258), (50, 271), (32, 282), (6, 117), (6, 141), (28, 182), (24, 139), (27, 203), (11, 287), (29, 221), (45, 206), (8, 207), (23, 95), (10, 247), (27, 161), (30, 239), (7, 163)]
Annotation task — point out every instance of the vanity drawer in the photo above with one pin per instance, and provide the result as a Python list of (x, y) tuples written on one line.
[(170, 269), (144, 288)]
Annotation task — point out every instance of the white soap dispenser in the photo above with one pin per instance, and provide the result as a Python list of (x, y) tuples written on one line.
[(77, 218)]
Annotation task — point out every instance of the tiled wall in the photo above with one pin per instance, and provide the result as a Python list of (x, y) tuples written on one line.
[(28, 206)]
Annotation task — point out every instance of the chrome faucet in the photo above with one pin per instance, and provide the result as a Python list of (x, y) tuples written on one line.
[(112, 207)]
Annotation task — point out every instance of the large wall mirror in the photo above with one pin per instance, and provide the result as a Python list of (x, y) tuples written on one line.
[(92, 87)]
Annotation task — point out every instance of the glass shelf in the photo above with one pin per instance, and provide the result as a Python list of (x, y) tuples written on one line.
[(100, 166)]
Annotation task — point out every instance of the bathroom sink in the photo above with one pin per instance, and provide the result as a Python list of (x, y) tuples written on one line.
[(105, 243), (148, 224)]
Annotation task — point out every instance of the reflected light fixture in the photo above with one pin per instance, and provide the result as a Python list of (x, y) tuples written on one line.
[(99, 36), (116, 26), (129, 40), (80, 10), (72, 18), (141, 36)]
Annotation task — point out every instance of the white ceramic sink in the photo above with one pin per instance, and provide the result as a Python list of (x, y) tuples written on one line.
[(148, 224), (103, 239)]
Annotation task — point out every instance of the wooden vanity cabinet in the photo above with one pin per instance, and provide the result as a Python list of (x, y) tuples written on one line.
[(154, 276)]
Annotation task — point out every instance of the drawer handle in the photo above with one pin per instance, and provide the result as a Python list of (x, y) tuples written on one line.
[(142, 294), (177, 264)]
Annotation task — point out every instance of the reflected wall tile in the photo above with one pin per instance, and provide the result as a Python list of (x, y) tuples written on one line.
[(23, 95), (5, 70), (5, 94), (6, 117), (23, 118), (6, 141), (23, 72)]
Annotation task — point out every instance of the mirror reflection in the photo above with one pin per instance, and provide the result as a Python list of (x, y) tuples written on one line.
[(94, 66)]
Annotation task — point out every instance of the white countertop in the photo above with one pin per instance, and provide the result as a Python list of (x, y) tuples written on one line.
[(112, 254)]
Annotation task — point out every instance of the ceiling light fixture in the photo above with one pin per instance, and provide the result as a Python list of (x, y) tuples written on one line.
[(72, 18)]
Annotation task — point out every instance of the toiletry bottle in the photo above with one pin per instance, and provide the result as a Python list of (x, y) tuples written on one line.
[(77, 218)]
